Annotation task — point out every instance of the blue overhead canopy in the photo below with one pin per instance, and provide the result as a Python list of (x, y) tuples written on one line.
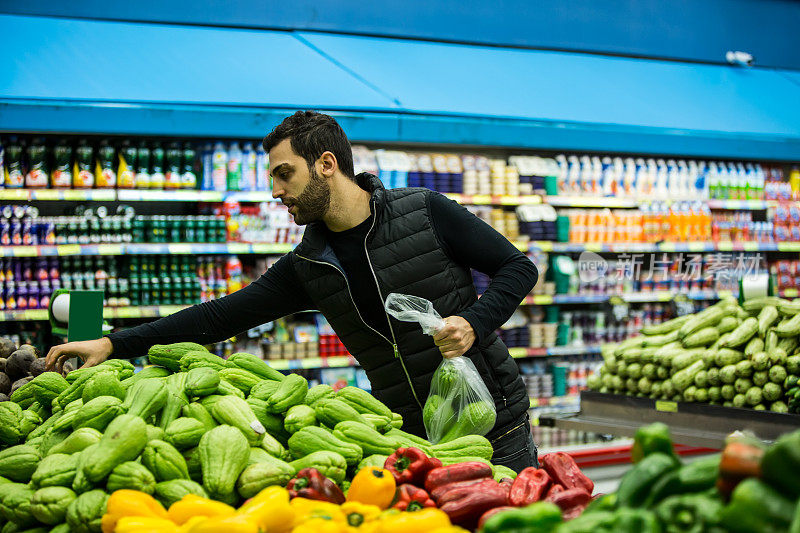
[(114, 77)]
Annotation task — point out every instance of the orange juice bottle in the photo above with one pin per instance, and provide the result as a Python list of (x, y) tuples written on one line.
[(646, 215), (637, 227)]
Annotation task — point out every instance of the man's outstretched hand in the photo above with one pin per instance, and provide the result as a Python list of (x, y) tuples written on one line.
[(455, 338), (90, 352)]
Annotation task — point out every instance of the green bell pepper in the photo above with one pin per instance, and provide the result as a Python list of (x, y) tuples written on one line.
[(637, 482), (539, 517), (689, 513), (650, 439), (755, 507), (697, 476), (606, 502), (780, 466), (596, 522), (635, 521), (795, 526)]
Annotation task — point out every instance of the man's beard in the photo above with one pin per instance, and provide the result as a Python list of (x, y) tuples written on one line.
[(314, 201)]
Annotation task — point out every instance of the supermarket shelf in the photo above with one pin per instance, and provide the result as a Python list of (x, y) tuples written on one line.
[(568, 401), (614, 202), (313, 362), (740, 205), (144, 195), (282, 248), (590, 201), (132, 195), (485, 199), (146, 249), (631, 297), (643, 247), (615, 452), (690, 423), (24, 315), (23, 195), (556, 351), (152, 311)]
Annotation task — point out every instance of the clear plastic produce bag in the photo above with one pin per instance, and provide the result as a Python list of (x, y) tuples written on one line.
[(458, 403)]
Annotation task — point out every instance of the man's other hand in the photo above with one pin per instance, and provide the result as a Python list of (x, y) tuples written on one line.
[(455, 338)]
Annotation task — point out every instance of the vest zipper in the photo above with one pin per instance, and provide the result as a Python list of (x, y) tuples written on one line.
[(394, 345), (391, 329), (348, 292)]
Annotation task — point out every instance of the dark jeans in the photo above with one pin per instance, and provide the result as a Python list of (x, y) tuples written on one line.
[(514, 448)]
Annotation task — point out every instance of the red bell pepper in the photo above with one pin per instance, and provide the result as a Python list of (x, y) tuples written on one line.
[(455, 493), (555, 488), (563, 470), (438, 492), (530, 486), (410, 465), (311, 484), (572, 502), (490, 513), (445, 475), (467, 504), (411, 498)]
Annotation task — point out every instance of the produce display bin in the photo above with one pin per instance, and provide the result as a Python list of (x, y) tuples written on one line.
[(690, 423)]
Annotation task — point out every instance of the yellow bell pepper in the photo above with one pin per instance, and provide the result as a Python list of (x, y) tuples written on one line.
[(422, 521), (145, 524), (306, 510), (270, 509), (322, 525), (373, 485), (125, 502), (450, 529), (193, 505), (225, 524), (189, 524), (357, 514)]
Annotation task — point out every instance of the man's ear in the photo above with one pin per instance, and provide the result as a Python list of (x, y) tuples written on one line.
[(328, 164)]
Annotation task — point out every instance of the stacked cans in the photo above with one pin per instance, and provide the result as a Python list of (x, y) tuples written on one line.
[(28, 283)]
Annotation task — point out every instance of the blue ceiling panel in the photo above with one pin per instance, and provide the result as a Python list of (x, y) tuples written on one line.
[(129, 62)]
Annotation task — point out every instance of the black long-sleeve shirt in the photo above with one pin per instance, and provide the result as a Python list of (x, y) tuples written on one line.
[(465, 238)]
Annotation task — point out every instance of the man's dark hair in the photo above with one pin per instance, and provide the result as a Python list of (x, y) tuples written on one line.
[(310, 134)]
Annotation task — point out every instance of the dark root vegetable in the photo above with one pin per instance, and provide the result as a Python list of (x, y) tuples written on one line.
[(19, 364), (5, 384), (4, 398), (2, 364), (67, 368), (37, 367), (19, 383), (28, 348), (7, 347)]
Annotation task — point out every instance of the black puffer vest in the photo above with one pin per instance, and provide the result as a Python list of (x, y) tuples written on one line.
[(406, 257)]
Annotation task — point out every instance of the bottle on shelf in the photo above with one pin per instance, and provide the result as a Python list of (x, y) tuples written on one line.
[(234, 178), (126, 160), (61, 177), (37, 176), (157, 178), (173, 167), (219, 175), (248, 180), (188, 175), (14, 175), (82, 175), (262, 170), (105, 176)]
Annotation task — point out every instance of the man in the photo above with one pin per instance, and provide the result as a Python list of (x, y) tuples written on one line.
[(362, 243)]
